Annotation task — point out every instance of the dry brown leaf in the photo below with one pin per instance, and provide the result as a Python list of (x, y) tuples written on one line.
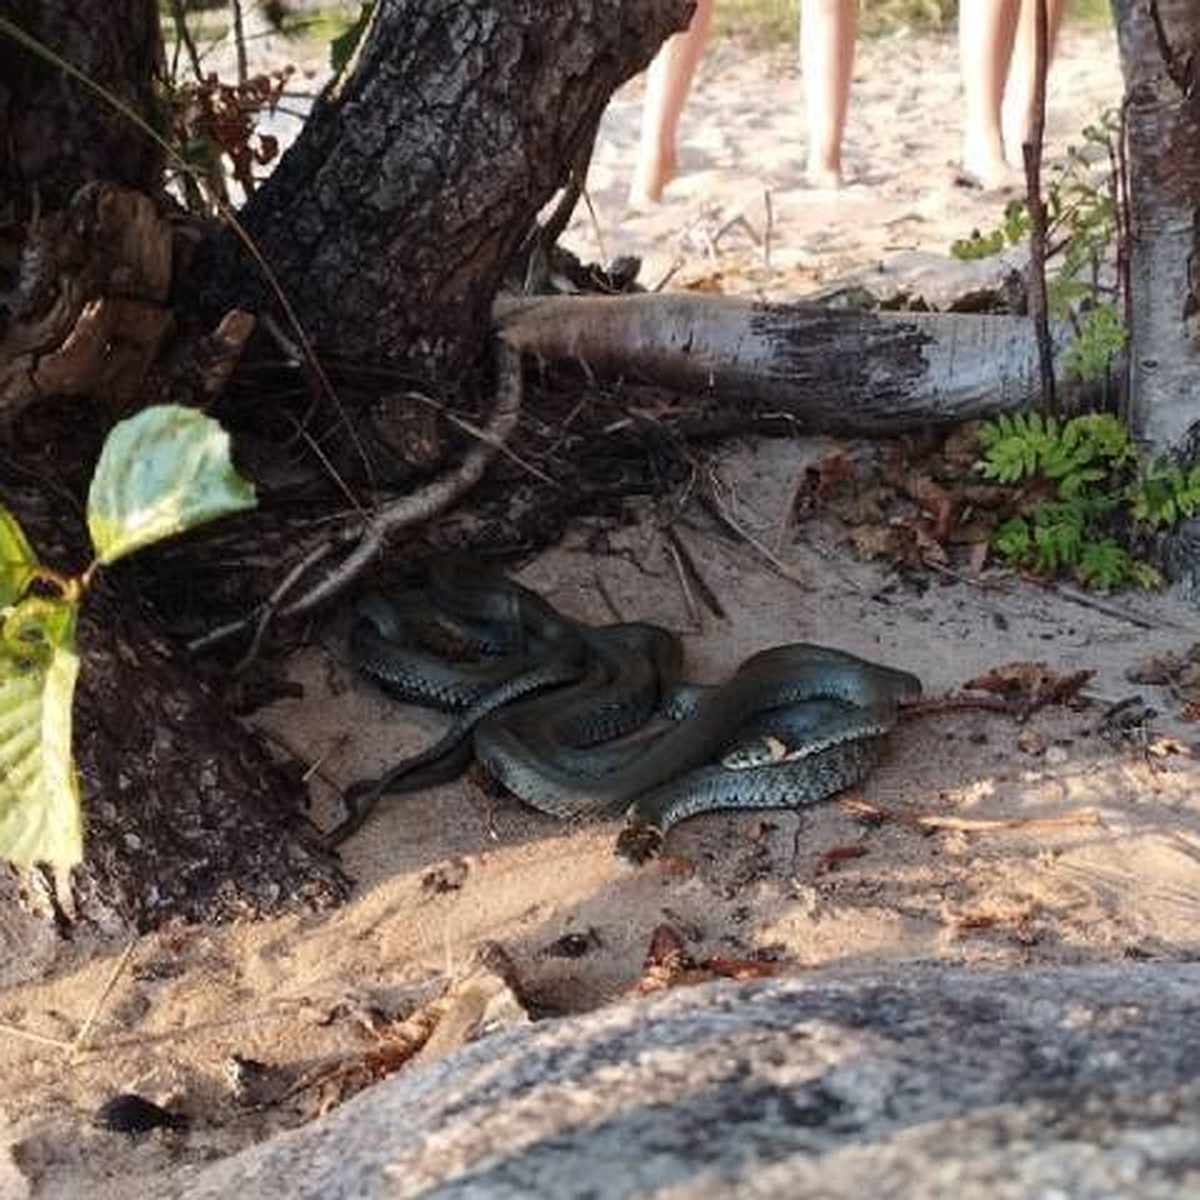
[(1012, 679), (831, 859), (714, 283), (879, 541)]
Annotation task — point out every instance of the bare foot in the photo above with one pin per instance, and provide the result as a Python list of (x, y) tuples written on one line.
[(985, 168), (989, 177), (652, 172), (824, 175)]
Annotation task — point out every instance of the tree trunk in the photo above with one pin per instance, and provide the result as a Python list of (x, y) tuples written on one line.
[(55, 133), (1163, 138), (392, 219), (1161, 65), (186, 816)]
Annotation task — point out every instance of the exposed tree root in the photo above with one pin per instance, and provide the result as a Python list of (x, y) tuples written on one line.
[(366, 542)]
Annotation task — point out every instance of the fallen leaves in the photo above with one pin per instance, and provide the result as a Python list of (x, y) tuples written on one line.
[(1178, 673), (921, 504), (1016, 689), (483, 999), (669, 965)]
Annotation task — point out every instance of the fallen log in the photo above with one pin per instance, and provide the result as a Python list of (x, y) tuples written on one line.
[(836, 372)]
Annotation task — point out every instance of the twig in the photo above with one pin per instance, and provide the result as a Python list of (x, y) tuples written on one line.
[(723, 517), (668, 275), (1109, 609), (596, 230), (40, 1039), (80, 1044), (768, 228), (183, 37), (317, 554), (368, 541), (606, 596), (481, 435), (1031, 152), (1122, 202), (1176, 66), (786, 517), (930, 823), (239, 41), (321, 457), (315, 769), (689, 601), (687, 564)]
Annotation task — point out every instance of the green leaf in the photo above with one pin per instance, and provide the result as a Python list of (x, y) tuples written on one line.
[(1012, 540), (40, 818), (18, 563), (1105, 565), (161, 472)]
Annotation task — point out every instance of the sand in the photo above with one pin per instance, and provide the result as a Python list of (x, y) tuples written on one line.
[(1109, 868)]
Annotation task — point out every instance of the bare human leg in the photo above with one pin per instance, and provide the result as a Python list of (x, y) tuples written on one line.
[(828, 33), (986, 33), (1017, 115), (667, 84)]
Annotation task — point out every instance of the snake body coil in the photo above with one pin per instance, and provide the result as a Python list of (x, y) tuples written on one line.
[(792, 726)]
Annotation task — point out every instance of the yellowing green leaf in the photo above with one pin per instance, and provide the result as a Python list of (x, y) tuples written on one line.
[(18, 563), (40, 817), (161, 472)]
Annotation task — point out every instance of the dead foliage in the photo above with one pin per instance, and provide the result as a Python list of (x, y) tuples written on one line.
[(915, 502), (482, 999), (211, 118), (669, 964), (1016, 689), (1178, 673)]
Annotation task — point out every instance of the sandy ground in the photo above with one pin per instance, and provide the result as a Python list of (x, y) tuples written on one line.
[(739, 216), (442, 874)]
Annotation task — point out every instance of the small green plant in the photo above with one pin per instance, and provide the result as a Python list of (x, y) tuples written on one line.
[(1082, 228), (161, 472), (1086, 497)]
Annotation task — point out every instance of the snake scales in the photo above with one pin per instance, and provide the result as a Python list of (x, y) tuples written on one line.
[(580, 720)]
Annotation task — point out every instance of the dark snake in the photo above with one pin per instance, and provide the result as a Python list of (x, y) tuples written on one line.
[(588, 721)]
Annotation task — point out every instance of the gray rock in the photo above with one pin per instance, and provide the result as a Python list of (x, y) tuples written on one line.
[(928, 1082)]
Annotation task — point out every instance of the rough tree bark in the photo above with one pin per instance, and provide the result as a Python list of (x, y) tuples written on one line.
[(393, 217), (1162, 117), (186, 816), (55, 135), (1160, 59)]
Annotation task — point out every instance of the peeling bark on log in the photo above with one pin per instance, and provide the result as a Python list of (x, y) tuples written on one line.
[(861, 373), (393, 217), (1163, 138)]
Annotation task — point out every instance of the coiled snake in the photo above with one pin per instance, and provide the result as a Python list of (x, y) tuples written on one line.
[(580, 720)]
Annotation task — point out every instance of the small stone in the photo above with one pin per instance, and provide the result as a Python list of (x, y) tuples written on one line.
[(1031, 742)]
